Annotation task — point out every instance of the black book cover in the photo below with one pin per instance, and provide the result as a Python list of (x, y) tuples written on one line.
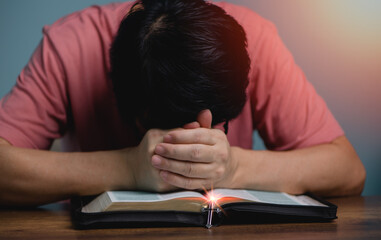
[(231, 213)]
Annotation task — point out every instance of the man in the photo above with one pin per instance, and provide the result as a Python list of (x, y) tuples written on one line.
[(172, 107)]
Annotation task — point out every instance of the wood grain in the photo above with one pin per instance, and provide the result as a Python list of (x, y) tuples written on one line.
[(359, 218)]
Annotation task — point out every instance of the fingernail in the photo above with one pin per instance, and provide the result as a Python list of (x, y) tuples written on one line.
[(155, 161), (159, 149), (167, 138)]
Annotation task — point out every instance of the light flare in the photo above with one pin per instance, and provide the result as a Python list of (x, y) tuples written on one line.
[(212, 198)]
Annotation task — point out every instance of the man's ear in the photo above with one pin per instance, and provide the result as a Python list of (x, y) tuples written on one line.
[(204, 118)]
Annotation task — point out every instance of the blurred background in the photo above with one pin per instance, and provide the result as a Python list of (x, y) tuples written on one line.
[(336, 42)]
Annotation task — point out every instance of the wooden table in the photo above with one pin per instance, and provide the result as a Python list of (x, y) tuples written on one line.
[(359, 218)]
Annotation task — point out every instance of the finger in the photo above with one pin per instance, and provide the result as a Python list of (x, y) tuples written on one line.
[(185, 152), (189, 136), (184, 182), (184, 168), (191, 125), (205, 118)]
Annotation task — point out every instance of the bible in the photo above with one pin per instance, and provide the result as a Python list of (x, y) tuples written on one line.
[(117, 209)]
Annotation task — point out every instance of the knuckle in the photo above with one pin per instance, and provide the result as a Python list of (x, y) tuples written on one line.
[(165, 164), (186, 183), (195, 152), (171, 150), (197, 136), (219, 172), (222, 155), (174, 136), (189, 170)]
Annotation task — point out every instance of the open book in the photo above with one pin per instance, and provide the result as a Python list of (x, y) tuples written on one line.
[(136, 209)]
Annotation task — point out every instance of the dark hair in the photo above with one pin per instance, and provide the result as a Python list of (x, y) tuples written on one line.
[(172, 59)]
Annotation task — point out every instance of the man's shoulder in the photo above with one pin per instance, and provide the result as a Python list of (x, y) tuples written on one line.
[(106, 16), (244, 15), (83, 34)]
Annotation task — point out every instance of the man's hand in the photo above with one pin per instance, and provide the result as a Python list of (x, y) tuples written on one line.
[(146, 177), (195, 157)]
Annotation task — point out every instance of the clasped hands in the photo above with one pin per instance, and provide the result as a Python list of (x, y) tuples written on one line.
[(193, 157)]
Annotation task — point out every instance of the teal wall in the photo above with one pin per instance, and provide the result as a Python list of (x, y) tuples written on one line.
[(336, 42)]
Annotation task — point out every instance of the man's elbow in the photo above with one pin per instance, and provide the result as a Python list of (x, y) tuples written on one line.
[(355, 179), (358, 180), (352, 172)]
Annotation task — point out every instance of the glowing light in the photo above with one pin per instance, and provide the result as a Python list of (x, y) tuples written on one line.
[(212, 198)]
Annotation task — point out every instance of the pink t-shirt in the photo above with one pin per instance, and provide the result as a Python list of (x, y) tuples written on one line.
[(64, 91)]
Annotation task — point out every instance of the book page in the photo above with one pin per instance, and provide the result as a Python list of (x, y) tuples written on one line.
[(145, 201), (138, 196), (306, 200), (268, 197)]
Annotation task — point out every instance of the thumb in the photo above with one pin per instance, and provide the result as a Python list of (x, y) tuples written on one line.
[(204, 118), (191, 125)]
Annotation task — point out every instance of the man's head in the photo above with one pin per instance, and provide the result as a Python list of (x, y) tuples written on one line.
[(172, 59)]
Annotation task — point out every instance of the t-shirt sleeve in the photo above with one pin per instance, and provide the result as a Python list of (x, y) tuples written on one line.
[(33, 114), (287, 111)]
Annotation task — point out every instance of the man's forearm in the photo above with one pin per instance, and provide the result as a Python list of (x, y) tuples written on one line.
[(332, 169), (33, 177)]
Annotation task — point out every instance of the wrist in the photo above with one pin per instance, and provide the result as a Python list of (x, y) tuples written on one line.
[(265, 170), (125, 179), (237, 180), (247, 174)]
